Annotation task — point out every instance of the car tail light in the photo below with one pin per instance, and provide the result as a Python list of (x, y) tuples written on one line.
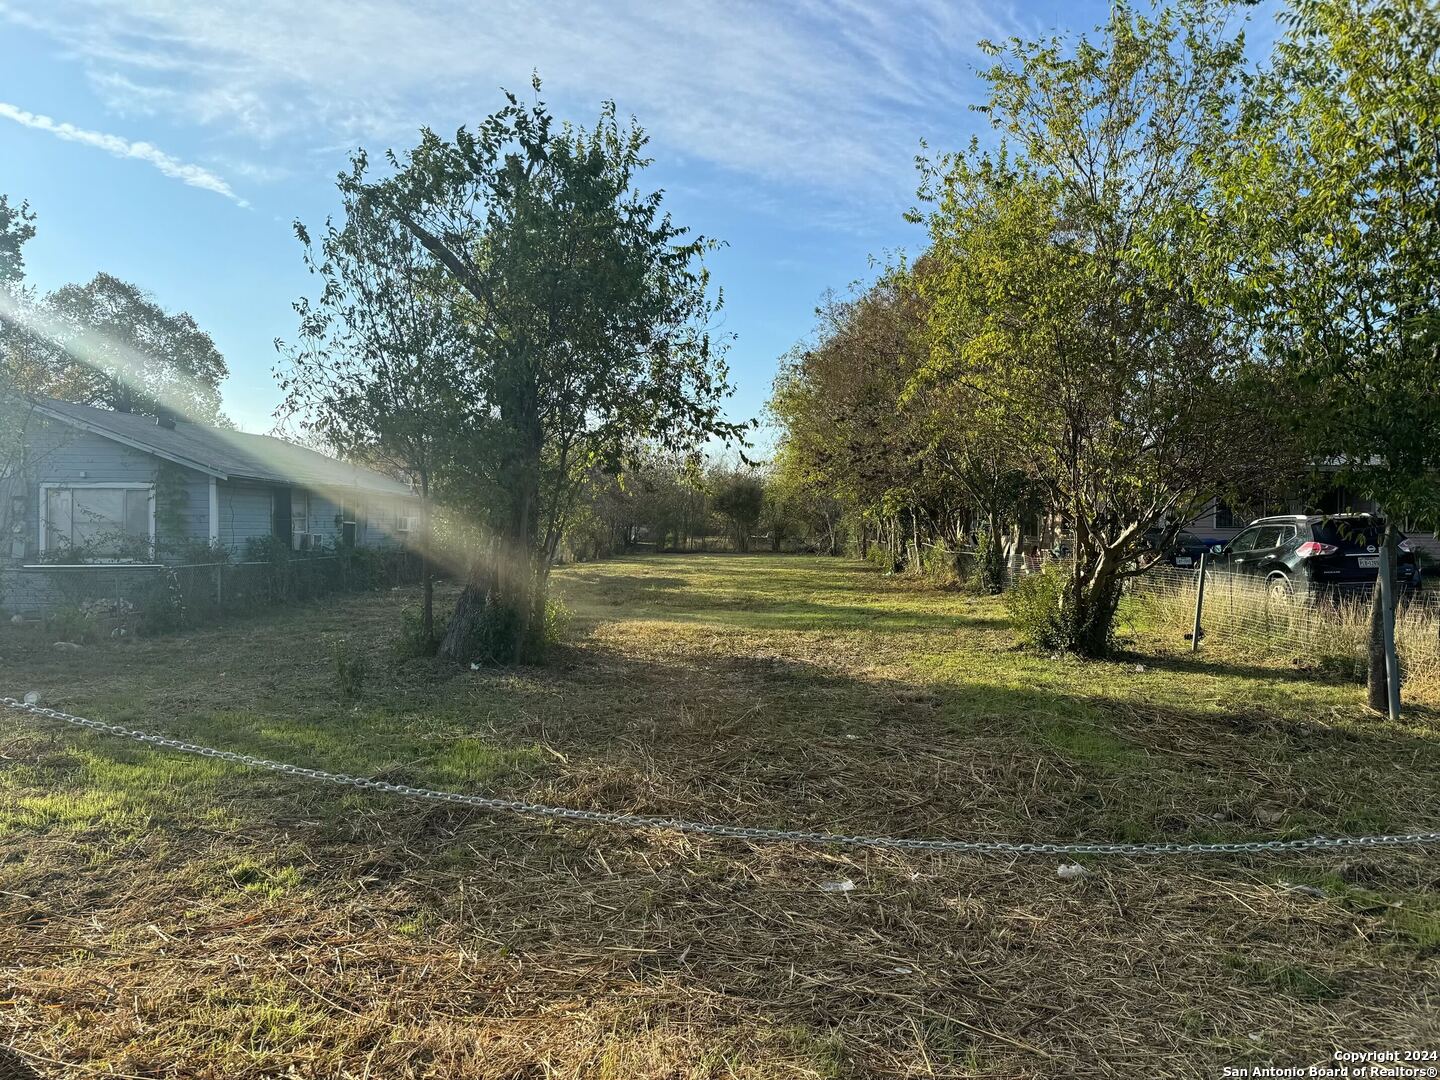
[(1310, 548)]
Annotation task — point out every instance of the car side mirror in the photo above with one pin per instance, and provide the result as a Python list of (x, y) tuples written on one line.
[(1217, 549)]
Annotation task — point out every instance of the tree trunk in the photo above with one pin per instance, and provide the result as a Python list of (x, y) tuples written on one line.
[(427, 575), (463, 641), (1088, 611), (495, 618), (992, 558)]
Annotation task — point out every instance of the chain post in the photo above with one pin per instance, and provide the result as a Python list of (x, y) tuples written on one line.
[(1199, 601)]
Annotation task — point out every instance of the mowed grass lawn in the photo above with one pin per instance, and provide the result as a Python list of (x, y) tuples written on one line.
[(168, 916)]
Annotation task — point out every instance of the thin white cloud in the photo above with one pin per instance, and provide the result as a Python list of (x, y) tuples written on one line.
[(186, 172), (832, 95)]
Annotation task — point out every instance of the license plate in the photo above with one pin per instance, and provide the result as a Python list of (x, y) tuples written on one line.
[(1369, 562), (1182, 560)]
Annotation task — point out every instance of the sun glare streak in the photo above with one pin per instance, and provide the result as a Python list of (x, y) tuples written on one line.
[(447, 546)]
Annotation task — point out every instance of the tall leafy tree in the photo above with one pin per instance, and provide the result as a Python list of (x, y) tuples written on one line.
[(378, 373), (110, 343), (837, 400), (17, 227), (587, 314), (1126, 398), (1322, 226), (738, 495), (968, 440), (797, 498)]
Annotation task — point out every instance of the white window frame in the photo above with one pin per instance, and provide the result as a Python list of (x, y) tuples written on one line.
[(295, 533), (90, 485)]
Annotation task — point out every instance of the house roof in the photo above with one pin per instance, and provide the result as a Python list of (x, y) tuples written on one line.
[(221, 452)]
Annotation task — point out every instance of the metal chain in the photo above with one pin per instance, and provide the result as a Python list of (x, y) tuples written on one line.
[(641, 821)]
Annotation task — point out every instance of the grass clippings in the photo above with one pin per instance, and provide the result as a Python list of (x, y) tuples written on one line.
[(166, 916)]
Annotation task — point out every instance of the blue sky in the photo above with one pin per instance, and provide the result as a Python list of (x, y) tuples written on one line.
[(172, 143)]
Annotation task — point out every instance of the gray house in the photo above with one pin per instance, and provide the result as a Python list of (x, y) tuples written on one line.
[(98, 487)]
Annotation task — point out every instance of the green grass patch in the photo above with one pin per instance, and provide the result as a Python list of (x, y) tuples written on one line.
[(1288, 979)]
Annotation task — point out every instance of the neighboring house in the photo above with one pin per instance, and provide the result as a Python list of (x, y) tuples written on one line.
[(1220, 521), (98, 486)]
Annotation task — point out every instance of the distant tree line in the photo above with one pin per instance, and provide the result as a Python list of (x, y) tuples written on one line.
[(684, 503)]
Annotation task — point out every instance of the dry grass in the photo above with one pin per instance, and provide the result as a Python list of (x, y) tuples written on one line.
[(1241, 619), (177, 918)]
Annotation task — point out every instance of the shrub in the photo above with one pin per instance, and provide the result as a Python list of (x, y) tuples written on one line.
[(1034, 602), (163, 608), (362, 569), (70, 624), (558, 618), (351, 670), (937, 562), (268, 549), (195, 552)]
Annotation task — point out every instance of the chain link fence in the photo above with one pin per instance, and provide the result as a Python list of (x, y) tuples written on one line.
[(206, 591), (89, 601), (1330, 630)]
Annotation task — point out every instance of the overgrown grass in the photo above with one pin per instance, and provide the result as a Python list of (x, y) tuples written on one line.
[(1239, 618), (175, 917)]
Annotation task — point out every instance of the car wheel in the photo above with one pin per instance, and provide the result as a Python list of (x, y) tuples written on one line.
[(1279, 590)]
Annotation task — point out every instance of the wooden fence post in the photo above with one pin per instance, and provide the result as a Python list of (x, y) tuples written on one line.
[(1387, 605)]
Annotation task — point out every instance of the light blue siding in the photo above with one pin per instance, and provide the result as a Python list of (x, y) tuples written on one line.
[(324, 513), (245, 513), (59, 454), (382, 520), (323, 518)]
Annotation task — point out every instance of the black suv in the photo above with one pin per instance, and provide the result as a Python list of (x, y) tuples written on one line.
[(1314, 555)]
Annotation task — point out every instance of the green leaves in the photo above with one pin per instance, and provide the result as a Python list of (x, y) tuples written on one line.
[(512, 307), (1062, 323), (17, 227), (1322, 215), (110, 343)]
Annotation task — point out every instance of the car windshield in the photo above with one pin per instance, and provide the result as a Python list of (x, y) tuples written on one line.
[(1187, 540), (1350, 534)]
